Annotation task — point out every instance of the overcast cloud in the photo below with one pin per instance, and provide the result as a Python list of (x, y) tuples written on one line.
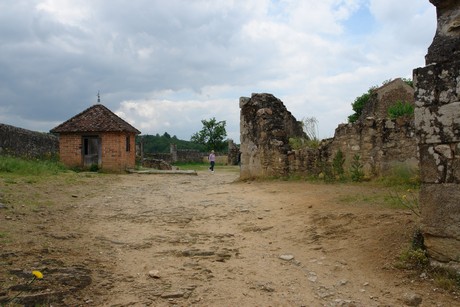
[(164, 65)]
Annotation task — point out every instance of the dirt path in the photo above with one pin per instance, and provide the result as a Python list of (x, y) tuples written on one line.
[(207, 240)]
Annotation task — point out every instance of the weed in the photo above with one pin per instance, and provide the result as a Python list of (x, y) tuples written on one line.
[(337, 165), (94, 168), (401, 176), (408, 200), (413, 259), (356, 171)]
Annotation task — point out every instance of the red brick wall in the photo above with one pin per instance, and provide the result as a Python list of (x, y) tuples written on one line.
[(114, 154), (70, 149), (113, 150)]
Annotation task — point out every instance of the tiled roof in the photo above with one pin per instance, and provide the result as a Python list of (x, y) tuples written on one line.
[(95, 119)]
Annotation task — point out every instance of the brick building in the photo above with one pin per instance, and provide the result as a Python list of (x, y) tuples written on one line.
[(99, 137)]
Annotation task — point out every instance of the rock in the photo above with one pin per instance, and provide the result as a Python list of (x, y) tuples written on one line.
[(342, 282), (154, 274), (2, 206), (286, 257), (177, 294), (412, 299), (312, 277)]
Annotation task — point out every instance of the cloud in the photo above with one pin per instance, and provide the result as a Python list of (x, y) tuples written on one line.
[(165, 66)]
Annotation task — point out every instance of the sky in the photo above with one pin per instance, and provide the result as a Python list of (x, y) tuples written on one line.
[(165, 65)]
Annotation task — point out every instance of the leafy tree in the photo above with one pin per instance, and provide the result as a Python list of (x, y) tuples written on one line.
[(358, 105), (212, 134)]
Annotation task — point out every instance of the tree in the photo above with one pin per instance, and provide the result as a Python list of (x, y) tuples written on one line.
[(358, 104), (212, 134)]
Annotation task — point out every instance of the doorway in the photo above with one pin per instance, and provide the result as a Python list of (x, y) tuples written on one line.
[(91, 151)]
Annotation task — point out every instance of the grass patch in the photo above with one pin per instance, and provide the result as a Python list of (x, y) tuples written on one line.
[(198, 166), (18, 166), (402, 177)]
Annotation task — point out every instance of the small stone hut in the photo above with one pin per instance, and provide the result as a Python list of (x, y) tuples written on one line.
[(386, 96), (97, 136)]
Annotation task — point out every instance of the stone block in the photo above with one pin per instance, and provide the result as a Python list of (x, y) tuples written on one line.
[(441, 220), (438, 124)]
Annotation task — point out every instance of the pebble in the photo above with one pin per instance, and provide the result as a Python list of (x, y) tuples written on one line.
[(287, 257), (412, 299), (172, 295), (154, 274)]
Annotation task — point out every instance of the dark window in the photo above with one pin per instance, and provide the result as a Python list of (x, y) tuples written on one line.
[(128, 143)]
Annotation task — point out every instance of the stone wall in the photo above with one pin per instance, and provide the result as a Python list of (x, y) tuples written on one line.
[(233, 153), (265, 128), (386, 96), (437, 121), (382, 145), (178, 155), (25, 143)]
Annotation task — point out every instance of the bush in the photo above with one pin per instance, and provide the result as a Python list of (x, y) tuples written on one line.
[(401, 109), (357, 173), (337, 165), (359, 103)]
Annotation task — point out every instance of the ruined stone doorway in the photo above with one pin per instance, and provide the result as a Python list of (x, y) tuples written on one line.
[(91, 151)]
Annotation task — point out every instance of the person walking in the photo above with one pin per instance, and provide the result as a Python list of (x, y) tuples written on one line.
[(212, 161)]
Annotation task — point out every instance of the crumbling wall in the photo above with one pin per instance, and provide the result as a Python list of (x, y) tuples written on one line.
[(386, 96), (437, 121), (265, 128), (382, 144), (26, 143), (233, 153)]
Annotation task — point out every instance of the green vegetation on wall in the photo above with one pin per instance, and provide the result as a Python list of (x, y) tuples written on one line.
[(401, 109), (358, 105)]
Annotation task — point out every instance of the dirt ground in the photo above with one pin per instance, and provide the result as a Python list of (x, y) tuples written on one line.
[(206, 240)]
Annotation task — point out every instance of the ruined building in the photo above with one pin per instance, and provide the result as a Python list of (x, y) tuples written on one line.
[(265, 128), (383, 144), (437, 121)]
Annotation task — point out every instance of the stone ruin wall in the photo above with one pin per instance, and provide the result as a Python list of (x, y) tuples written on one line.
[(382, 144), (437, 122), (385, 96), (26, 143), (265, 128)]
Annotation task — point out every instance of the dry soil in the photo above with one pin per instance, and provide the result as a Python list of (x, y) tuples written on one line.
[(206, 240)]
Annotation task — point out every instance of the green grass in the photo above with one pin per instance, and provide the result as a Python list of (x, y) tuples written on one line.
[(18, 166), (205, 166)]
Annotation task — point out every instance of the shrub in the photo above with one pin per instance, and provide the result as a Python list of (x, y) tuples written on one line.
[(337, 165), (359, 103), (400, 109), (300, 143), (357, 173)]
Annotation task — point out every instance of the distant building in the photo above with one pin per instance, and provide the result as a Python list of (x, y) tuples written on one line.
[(97, 136), (386, 96)]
